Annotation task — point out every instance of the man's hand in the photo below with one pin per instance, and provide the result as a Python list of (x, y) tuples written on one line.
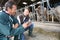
[(25, 25), (15, 26)]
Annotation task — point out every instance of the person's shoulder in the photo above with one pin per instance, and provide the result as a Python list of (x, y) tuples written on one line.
[(3, 14)]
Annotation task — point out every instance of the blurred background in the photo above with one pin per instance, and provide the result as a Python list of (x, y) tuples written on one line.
[(45, 14)]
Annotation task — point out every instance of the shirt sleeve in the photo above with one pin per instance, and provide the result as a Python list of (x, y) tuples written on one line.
[(4, 28), (18, 30), (15, 20)]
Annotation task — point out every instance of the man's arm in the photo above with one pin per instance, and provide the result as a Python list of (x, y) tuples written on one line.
[(3, 25), (18, 29), (15, 23), (4, 30)]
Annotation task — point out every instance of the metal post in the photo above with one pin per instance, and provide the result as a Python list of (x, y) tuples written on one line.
[(52, 18), (42, 10), (48, 6), (47, 14)]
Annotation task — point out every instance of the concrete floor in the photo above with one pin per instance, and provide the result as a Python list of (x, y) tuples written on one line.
[(41, 37), (45, 31)]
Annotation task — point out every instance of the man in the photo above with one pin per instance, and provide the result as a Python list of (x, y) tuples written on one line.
[(25, 18), (7, 20)]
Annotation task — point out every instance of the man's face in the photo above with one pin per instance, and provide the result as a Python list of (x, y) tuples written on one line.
[(13, 10), (26, 12)]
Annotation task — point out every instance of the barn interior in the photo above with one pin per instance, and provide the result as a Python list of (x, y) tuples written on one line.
[(45, 14)]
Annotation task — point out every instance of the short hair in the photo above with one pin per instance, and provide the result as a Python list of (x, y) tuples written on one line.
[(27, 9), (9, 4)]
